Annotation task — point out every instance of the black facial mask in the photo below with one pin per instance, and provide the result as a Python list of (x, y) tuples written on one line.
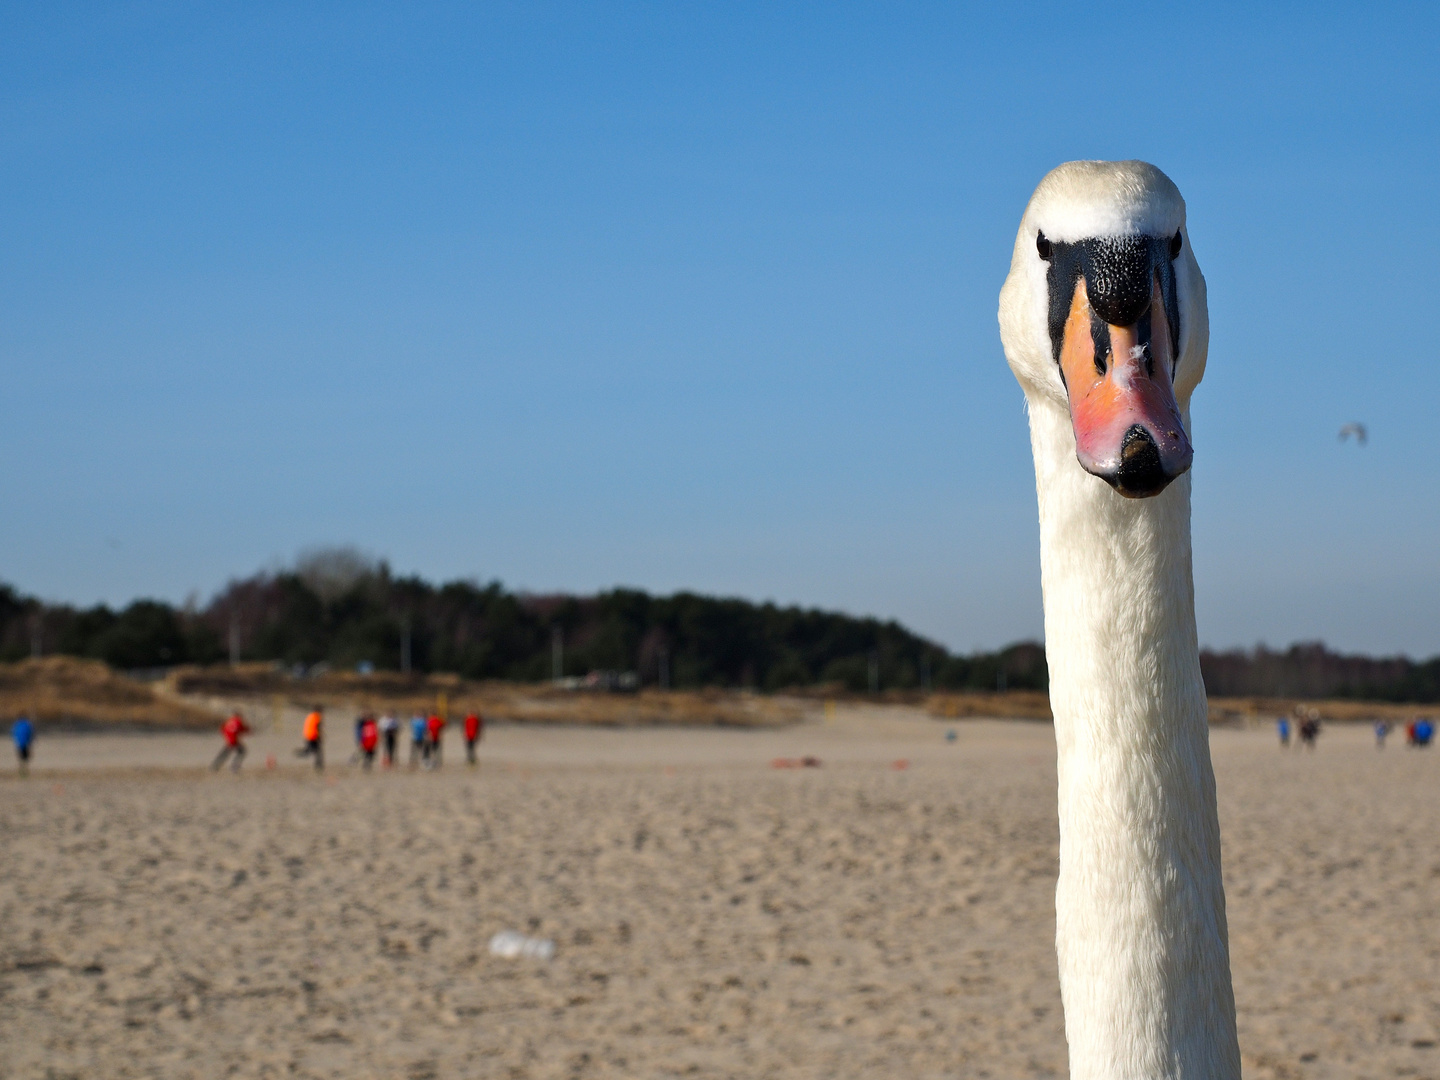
[(1118, 271)]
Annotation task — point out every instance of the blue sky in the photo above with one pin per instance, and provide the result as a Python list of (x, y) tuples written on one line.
[(696, 296)]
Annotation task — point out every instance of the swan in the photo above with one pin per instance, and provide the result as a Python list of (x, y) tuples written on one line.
[(1104, 323)]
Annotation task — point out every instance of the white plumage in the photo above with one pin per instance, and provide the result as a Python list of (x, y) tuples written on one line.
[(1140, 908)]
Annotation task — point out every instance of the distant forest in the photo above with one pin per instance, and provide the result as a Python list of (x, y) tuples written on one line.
[(336, 607), (1310, 670), (341, 609)]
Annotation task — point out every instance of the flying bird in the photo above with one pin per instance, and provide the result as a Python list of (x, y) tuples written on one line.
[(1356, 429)]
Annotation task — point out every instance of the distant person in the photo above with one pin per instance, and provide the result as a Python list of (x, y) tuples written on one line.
[(23, 732), (1283, 727), (1309, 732), (313, 732), (369, 739), (234, 731), (389, 732), (359, 750), (474, 732), (1424, 731), (1382, 729), (418, 738), (435, 729)]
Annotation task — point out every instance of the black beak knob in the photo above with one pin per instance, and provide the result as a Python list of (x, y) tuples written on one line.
[(1140, 473)]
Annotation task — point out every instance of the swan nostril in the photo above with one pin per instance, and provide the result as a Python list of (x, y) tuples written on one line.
[(1141, 472)]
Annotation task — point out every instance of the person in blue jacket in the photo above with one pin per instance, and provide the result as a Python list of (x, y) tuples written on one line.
[(23, 732), (419, 740)]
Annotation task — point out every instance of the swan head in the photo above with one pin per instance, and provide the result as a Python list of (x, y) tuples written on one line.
[(1104, 315)]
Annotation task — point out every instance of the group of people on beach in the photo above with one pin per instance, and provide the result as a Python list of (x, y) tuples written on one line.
[(372, 736), (1309, 730), (1418, 733), (427, 731)]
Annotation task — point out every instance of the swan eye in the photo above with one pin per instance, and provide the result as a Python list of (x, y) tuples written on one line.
[(1043, 246), (1175, 244)]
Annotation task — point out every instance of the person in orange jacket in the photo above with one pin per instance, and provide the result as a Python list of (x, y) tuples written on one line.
[(435, 728), (233, 730), (474, 732), (313, 732)]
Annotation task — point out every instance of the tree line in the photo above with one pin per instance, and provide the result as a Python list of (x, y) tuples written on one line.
[(1310, 670), (338, 608)]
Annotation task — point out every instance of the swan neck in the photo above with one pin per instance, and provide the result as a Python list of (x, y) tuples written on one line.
[(1140, 907)]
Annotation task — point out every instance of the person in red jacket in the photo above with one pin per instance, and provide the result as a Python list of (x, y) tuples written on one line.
[(232, 729), (369, 739), (474, 732), (435, 728)]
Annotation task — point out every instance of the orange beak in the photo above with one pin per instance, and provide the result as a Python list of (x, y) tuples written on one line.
[(1122, 401)]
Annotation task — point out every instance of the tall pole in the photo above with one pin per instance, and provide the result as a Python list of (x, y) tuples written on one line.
[(557, 652), (234, 639), (874, 673)]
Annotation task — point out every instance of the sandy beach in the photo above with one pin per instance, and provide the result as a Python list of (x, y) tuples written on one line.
[(712, 916)]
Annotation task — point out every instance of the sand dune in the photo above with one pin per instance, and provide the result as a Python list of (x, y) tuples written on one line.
[(713, 917)]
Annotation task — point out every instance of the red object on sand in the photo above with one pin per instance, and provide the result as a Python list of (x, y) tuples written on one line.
[(901, 765)]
